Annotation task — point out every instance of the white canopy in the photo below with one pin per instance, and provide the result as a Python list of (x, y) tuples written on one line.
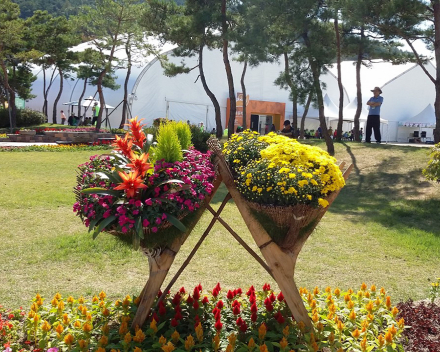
[(330, 108), (426, 118), (88, 103)]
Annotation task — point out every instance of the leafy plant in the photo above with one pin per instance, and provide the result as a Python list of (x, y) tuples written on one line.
[(432, 171), (168, 147), (199, 138), (183, 133), (25, 117)]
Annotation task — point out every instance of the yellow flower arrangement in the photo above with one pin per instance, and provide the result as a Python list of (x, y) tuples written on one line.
[(280, 171)]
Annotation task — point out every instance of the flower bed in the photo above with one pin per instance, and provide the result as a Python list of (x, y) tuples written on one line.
[(221, 320)]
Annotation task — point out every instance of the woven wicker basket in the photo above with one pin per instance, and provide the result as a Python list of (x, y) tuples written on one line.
[(287, 225)]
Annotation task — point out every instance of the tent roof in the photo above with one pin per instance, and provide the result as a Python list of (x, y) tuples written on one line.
[(330, 108), (426, 118)]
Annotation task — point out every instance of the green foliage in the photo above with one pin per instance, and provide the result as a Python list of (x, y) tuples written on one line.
[(432, 171), (25, 117), (168, 146), (199, 138), (434, 293), (183, 133)]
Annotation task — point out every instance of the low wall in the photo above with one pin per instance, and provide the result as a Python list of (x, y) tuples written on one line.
[(54, 136)]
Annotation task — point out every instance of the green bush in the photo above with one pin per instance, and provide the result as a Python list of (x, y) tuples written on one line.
[(25, 117), (199, 138), (183, 133), (168, 146), (432, 171)]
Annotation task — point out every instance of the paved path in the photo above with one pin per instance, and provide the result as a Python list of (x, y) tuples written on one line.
[(22, 144)]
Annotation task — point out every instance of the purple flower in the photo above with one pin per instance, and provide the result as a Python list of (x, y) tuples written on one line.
[(52, 349)]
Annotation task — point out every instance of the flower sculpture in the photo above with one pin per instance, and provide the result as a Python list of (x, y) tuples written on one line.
[(134, 193)]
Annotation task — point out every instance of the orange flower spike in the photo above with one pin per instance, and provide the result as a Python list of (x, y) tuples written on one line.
[(363, 286), (394, 311), (364, 344), (373, 288), (337, 292), (262, 331), (392, 330), (356, 333), (389, 338), (352, 315), (123, 144), (136, 132), (388, 302), (140, 163), (401, 323), (381, 341), (130, 183), (316, 291)]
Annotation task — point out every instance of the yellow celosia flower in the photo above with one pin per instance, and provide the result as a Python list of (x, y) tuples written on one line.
[(216, 342), (229, 348), (316, 291), (263, 348), (66, 319), (81, 300), (337, 292), (127, 338), (286, 331), (57, 296), (199, 332), (364, 344), (189, 343), (139, 337), (68, 339), (83, 344), (153, 325), (381, 340), (388, 302), (60, 306), (251, 344), (70, 299), (262, 332), (392, 330), (283, 343), (54, 302), (45, 326), (373, 288), (137, 349), (401, 323), (95, 299), (356, 333), (162, 340), (382, 291), (394, 311), (123, 328), (59, 329), (315, 318), (87, 327), (301, 326), (103, 341), (232, 339), (352, 315), (388, 338), (175, 336), (331, 337), (340, 325), (369, 306), (350, 304), (102, 295), (363, 286)]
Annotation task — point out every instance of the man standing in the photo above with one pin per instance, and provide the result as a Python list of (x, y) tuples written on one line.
[(287, 130), (373, 120), (95, 111)]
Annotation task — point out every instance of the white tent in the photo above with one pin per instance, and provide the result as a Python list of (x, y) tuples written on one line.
[(423, 121)]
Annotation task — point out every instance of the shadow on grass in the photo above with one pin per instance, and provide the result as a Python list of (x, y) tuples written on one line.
[(384, 194)]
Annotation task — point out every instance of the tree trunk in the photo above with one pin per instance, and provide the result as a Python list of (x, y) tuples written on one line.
[(11, 94), (436, 7), (289, 82), (232, 99), (306, 110), (317, 85), (127, 77), (243, 89), (81, 96), (54, 111), (341, 88), (101, 99), (358, 86), (218, 117), (46, 93)]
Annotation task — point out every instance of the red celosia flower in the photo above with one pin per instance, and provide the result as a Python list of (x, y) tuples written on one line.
[(182, 290), (280, 297), (254, 317), (219, 304), (230, 295), (243, 327), (136, 131), (174, 322), (176, 299), (269, 307), (239, 321), (140, 163), (196, 305), (238, 291), (189, 300), (279, 317), (162, 310), (236, 310), (196, 293), (218, 325), (130, 183), (252, 298), (254, 307), (235, 303), (123, 144), (178, 316), (205, 300), (266, 287), (250, 291), (215, 292), (159, 294), (272, 297), (155, 317)]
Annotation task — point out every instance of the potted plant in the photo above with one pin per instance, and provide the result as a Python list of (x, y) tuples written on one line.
[(150, 195)]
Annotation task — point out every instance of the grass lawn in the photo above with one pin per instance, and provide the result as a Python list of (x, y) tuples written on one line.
[(382, 229)]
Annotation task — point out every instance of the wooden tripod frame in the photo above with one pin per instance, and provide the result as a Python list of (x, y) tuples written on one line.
[(279, 262)]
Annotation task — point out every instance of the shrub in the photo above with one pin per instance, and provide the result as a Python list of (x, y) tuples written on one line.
[(25, 117), (432, 171), (199, 138), (168, 146), (183, 133)]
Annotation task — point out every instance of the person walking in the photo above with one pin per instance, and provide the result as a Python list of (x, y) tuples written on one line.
[(373, 120), (95, 111)]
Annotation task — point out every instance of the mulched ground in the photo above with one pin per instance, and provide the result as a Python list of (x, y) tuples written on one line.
[(424, 319)]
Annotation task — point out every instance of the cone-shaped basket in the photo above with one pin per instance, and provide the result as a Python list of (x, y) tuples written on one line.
[(280, 253), (160, 260)]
